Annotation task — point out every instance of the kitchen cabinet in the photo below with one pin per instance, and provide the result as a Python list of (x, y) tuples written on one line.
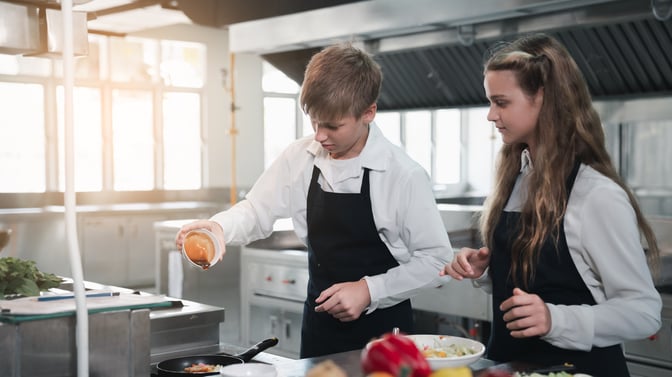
[(118, 249), (270, 320)]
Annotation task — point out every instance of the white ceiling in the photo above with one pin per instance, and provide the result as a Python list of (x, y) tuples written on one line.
[(131, 20), (138, 19), (120, 16)]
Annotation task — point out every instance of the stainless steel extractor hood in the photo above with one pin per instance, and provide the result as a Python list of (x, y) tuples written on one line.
[(432, 51)]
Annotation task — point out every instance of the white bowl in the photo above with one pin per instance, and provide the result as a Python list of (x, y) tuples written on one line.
[(424, 342), (201, 249), (248, 370)]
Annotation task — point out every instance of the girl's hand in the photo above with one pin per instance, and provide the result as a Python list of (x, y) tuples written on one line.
[(526, 315), (468, 263)]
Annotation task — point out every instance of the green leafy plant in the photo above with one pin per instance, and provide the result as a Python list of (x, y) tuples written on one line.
[(22, 277)]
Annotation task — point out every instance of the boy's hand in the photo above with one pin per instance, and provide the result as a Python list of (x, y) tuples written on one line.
[(212, 226), (344, 301)]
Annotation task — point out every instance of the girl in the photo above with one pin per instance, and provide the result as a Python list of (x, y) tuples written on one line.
[(562, 257)]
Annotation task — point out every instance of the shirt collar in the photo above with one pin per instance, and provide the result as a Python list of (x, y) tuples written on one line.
[(373, 155), (525, 161)]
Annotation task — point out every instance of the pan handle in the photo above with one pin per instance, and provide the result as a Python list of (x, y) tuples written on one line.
[(257, 348)]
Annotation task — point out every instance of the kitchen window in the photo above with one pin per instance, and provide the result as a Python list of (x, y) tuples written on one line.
[(418, 137), (448, 147), (87, 128), (283, 120), (182, 141), (137, 118), (390, 125), (133, 60), (22, 138), (457, 147), (132, 140), (19, 65)]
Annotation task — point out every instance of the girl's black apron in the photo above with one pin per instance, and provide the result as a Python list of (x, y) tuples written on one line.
[(557, 281), (344, 246)]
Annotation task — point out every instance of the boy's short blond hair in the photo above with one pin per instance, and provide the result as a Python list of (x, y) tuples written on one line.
[(340, 80)]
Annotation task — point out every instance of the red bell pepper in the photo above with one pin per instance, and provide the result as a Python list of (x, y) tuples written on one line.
[(395, 354)]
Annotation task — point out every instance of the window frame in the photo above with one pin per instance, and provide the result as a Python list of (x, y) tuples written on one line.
[(107, 86)]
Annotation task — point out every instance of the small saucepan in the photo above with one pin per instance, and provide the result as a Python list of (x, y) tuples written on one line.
[(176, 367)]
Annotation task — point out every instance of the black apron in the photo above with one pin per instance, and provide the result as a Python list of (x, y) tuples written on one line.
[(344, 246), (557, 281)]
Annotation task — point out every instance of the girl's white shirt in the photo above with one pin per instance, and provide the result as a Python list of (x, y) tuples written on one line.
[(604, 243)]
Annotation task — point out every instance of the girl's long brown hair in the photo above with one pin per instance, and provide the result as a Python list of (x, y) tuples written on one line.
[(568, 130)]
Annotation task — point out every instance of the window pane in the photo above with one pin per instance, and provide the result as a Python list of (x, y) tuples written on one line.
[(275, 81), (132, 140), (22, 138), (307, 126), (279, 126), (389, 124), (86, 67), (182, 64), (650, 141), (181, 141), (89, 66), (19, 65), (133, 60), (418, 125), (447, 147), (88, 140), (484, 144)]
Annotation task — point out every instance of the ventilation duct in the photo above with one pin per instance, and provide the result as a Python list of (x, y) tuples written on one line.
[(622, 47), (36, 31), (221, 13)]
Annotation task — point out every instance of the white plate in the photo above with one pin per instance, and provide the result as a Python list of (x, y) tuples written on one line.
[(442, 341)]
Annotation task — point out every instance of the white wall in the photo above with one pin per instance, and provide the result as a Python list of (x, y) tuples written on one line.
[(249, 119), (217, 105)]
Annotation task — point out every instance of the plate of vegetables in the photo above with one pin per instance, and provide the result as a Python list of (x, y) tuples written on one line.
[(445, 351)]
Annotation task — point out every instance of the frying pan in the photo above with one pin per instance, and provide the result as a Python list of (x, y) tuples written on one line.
[(175, 367)]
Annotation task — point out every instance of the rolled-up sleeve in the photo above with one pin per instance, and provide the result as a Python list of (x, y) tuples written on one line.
[(416, 237)]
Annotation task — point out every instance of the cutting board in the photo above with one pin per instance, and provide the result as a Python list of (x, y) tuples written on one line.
[(30, 308)]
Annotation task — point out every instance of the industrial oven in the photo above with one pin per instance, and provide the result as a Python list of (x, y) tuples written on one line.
[(274, 279)]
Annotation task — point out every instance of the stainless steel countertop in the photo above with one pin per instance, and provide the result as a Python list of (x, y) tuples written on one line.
[(350, 361), (101, 208)]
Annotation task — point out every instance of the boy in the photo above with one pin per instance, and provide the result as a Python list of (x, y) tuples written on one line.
[(365, 210)]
